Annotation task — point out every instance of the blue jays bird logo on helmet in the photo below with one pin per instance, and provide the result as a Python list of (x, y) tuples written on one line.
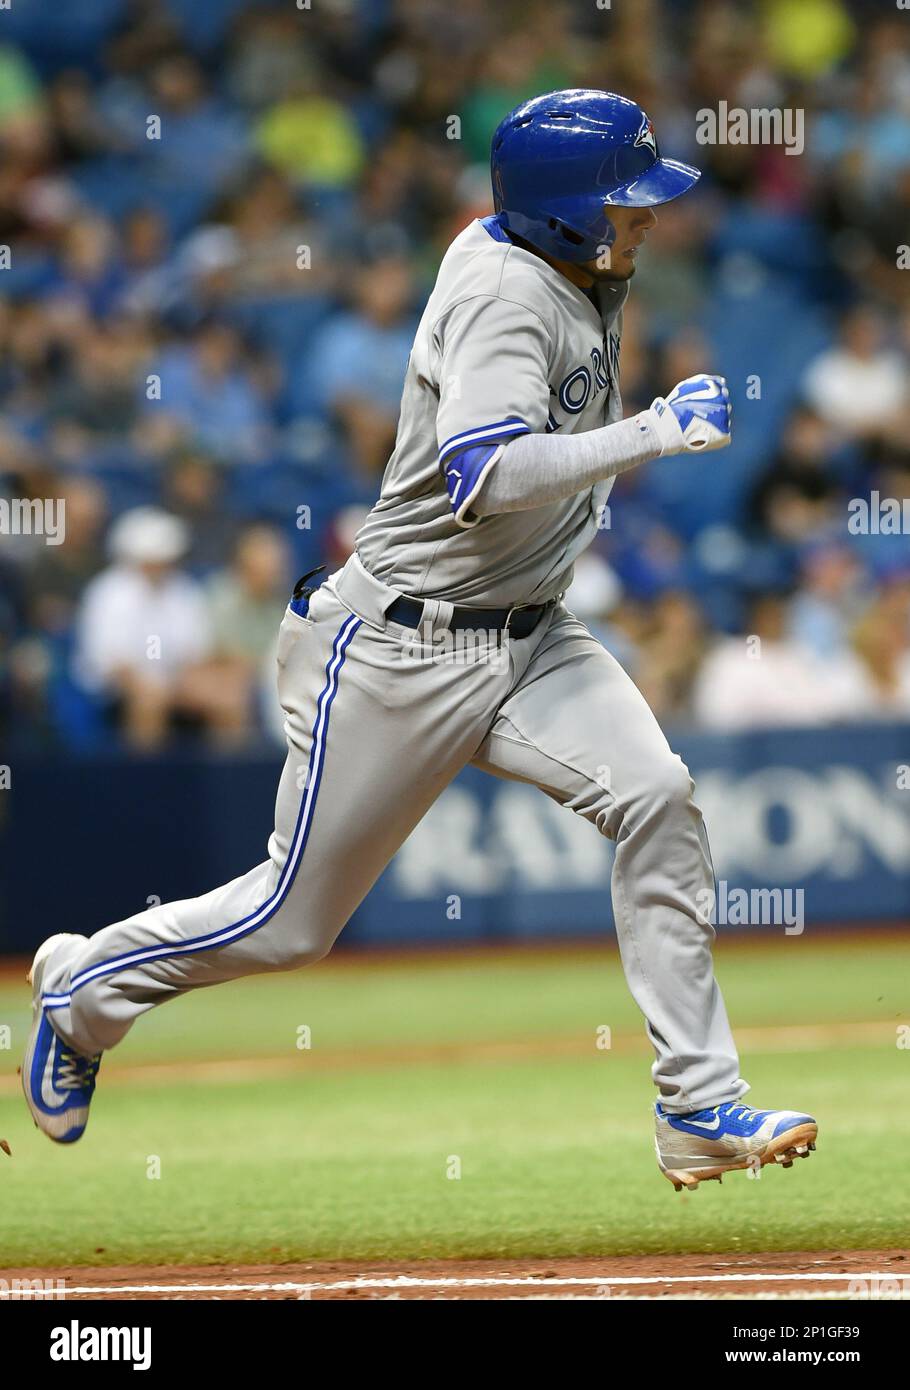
[(560, 161), (646, 134)]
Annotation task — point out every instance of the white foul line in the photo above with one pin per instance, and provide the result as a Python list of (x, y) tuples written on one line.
[(407, 1281)]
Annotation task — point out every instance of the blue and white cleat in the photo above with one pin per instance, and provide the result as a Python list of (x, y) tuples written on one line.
[(58, 1082), (708, 1143)]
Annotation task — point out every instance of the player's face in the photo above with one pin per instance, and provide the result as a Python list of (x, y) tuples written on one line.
[(632, 226)]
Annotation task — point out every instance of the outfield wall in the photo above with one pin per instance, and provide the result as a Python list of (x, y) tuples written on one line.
[(806, 827)]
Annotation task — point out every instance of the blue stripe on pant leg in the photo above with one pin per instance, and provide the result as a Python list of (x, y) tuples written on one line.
[(252, 922)]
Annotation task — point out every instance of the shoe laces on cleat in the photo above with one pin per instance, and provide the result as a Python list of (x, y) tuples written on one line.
[(731, 1111), (77, 1072)]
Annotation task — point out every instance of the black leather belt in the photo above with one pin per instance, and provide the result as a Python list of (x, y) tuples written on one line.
[(519, 621)]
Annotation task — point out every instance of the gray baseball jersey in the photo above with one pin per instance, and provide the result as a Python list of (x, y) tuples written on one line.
[(506, 345)]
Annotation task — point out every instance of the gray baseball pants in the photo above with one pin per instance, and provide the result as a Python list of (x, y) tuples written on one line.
[(380, 718)]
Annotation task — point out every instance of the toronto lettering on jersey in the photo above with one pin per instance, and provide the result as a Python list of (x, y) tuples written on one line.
[(583, 384)]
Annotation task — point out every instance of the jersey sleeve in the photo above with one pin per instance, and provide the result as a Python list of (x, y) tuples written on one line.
[(493, 385)]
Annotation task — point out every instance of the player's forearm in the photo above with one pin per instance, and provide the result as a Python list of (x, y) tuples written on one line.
[(532, 470), (536, 469)]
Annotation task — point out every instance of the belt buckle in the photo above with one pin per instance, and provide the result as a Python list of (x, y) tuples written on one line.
[(516, 608), (523, 608)]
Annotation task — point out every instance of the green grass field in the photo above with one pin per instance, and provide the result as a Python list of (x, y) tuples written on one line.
[(342, 1151)]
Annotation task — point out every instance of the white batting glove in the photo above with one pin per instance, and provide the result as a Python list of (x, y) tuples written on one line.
[(696, 416)]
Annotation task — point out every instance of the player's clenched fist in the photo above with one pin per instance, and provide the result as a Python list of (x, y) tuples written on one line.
[(697, 415)]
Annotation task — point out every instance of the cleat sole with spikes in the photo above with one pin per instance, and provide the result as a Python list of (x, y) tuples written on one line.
[(799, 1141)]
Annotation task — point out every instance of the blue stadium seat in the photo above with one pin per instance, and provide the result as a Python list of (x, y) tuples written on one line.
[(80, 717), (72, 36), (126, 484), (784, 243), (182, 206), (27, 275), (112, 184), (204, 23), (116, 184), (276, 490), (285, 325)]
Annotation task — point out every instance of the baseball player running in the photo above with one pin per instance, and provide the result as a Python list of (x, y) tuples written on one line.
[(444, 640)]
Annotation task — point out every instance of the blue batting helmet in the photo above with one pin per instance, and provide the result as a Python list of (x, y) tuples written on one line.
[(558, 161)]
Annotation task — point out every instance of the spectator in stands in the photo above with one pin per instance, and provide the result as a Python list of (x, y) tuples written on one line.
[(765, 679), (267, 52), (258, 244), (24, 124), (829, 595), (80, 132), (672, 655), (875, 231), (248, 598), (407, 191), (202, 277), (861, 139), (40, 598), (270, 230), (596, 596), (677, 351), (88, 274), (808, 44), (312, 138), (523, 61), (794, 498), (142, 628), (674, 288), (59, 574), (341, 533), (211, 392), (147, 262), (95, 397), (204, 142), (881, 640), (889, 476), (246, 602), (361, 359), (193, 489), (594, 592), (862, 385)]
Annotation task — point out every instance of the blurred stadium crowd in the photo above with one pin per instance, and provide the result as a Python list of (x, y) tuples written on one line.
[(204, 330)]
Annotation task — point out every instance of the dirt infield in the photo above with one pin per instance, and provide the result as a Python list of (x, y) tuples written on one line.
[(856, 1274)]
